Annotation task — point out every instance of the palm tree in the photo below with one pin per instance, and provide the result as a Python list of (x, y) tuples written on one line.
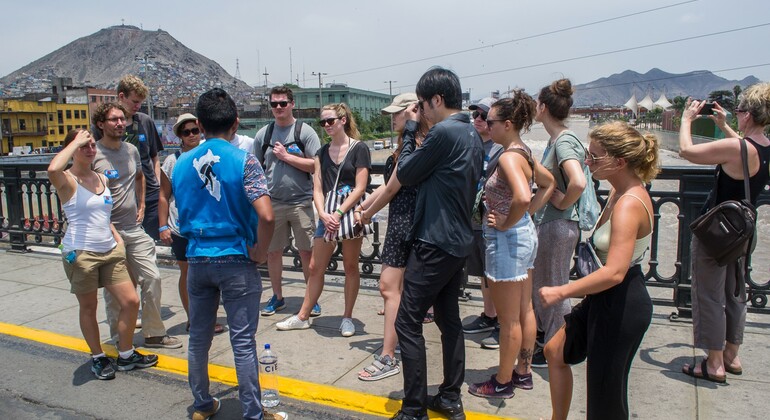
[(736, 92)]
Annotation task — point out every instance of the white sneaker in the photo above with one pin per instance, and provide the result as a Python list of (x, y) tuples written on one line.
[(293, 323), (347, 328)]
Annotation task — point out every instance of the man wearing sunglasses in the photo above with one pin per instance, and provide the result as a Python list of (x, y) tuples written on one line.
[(447, 168), (487, 321), (286, 148)]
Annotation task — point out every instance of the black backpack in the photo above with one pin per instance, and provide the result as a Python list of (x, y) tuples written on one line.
[(269, 136)]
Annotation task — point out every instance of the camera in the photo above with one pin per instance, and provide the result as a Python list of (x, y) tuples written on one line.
[(708, 109)]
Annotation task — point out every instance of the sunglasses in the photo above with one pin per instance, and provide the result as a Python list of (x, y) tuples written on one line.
[(195, 131), (481, 114), (591, 158), (490, 123), (276, 104), (328, 121)]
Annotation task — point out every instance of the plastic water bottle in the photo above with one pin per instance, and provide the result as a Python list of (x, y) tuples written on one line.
[(69, 256), (268, 367)]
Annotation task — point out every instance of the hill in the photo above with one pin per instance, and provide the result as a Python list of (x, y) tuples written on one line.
[(101, 59), (618, 88)]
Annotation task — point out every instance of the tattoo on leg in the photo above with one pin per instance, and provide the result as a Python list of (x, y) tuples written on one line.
[(525, 357)]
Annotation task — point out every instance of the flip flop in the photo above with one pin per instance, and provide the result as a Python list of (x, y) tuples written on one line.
[(733, 371), (219, 329), (704, 374)]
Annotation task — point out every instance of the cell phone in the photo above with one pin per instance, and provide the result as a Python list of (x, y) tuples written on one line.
[(708, 109)]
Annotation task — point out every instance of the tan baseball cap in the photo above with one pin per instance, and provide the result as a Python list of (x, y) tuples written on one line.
[(400, 103)]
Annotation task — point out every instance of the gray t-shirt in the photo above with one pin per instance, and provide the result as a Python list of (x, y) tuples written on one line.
[(120, 167), (173, 213), (287, 184), (566, 147)]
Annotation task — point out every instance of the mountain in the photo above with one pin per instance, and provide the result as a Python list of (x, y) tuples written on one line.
[(617, 89), (101, 59)]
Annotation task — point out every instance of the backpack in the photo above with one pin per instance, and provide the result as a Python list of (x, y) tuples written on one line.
[(588, 208), (269, 136)]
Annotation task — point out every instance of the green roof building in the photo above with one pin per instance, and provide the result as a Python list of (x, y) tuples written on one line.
[(365, 102)]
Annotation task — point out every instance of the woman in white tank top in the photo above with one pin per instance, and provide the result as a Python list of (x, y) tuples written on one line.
[(93, 253)]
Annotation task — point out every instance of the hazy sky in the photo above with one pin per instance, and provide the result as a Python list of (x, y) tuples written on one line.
[(491, 45)]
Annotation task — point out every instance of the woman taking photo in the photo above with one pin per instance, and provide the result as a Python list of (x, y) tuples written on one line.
[(93, 253), (396, 248), (186, 129), (346, 161), (719, 316), (557, 222), (512, 242), (609, 324)]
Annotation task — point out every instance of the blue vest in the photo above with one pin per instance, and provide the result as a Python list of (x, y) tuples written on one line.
[(214, 213)]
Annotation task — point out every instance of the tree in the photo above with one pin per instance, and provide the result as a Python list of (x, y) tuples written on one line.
[(736, 93), (723, 98)]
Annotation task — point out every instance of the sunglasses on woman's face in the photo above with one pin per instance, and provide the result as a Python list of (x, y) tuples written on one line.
[(194, 131), (328, 121), (481, 114), (276, 104)]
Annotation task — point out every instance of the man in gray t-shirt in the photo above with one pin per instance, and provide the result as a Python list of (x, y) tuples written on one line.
[(120, 162), (288, 165)]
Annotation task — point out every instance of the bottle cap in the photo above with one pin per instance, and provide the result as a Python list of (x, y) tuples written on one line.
[(267, 346)]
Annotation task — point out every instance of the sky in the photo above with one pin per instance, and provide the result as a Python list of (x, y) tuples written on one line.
[(374, 45)]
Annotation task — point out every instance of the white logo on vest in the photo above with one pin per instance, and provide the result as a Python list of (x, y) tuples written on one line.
[(205, 168)]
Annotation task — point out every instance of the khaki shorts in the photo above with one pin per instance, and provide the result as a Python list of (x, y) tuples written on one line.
[(92, 270), (301, 220)]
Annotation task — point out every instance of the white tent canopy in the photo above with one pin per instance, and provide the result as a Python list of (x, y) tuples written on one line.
[(647, 103), (663, 102), (632, 105)]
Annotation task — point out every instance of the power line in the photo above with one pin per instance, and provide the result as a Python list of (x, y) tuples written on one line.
[(515, 40)]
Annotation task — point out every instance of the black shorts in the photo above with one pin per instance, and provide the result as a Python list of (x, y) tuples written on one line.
[(179, 247)]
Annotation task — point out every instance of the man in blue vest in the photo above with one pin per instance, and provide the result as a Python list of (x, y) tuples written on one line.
[(226, 215)]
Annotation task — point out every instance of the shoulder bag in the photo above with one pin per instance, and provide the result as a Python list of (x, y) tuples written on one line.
[(334, 199)]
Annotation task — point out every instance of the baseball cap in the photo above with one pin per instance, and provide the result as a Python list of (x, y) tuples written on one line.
[(181, 120), (400, 103), (483, 104)]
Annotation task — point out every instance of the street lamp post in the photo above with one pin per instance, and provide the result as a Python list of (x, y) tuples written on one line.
[(145, 60), (320, 88), (390, 90)]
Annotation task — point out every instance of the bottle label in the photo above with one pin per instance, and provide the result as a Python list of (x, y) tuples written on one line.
[(269, 367), (293, 148), (345, 189)]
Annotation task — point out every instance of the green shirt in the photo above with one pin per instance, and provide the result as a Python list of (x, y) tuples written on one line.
[(566, 147)]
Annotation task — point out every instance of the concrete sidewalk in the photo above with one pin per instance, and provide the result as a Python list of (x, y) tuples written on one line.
[(320, 366)]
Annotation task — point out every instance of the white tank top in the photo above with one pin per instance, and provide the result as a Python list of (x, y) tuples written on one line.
[(88, 220), (601, 238)]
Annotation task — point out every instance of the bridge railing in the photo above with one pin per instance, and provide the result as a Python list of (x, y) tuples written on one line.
[(31, 214)]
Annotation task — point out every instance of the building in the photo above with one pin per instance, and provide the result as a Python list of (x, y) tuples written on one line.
[(366, 103), (39, 124)]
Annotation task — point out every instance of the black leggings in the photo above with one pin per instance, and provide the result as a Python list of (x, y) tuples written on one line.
[(607, 329)]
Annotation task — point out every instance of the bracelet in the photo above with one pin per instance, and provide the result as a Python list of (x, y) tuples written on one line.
[(163, 228), (338, 211), (357, 211)]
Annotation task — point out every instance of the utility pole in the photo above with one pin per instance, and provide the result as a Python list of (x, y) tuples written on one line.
[(264, 91), (145, 60), (390, 92), (320, 89)]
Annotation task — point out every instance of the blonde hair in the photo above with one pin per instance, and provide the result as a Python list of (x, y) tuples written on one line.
[(343, 110), (756, 100), (620, 140), (130, 83)]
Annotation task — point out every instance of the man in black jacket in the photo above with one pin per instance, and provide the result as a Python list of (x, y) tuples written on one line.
[(447, 168)]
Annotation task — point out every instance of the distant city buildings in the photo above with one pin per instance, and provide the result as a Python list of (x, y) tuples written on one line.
[(39, 124)]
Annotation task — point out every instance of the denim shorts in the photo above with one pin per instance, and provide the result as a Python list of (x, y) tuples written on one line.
[(512, 252), (319, 230)]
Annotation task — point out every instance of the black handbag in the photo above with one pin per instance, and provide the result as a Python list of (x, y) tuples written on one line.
[(727, 229), (587, 260)]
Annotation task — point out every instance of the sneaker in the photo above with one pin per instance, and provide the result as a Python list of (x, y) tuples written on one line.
[(266, 415), (538, 358), (481, 324), (398, 349), (522, 381), (347, 328), (316, 311), (293, 323), (453, 410), (203, 415), (137, 360), (102, 368), (273, 305), (403, 416), (492, 389), (491, 342), (164, 342)]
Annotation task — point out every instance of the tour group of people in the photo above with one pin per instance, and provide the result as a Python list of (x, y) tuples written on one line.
[(465, 194)]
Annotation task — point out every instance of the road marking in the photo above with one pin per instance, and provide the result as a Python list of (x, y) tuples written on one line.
[(292, 388)]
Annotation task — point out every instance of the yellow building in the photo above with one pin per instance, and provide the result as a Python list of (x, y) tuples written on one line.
[(38, 123)]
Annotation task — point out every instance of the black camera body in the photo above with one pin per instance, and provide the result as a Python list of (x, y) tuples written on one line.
[(708, 109)]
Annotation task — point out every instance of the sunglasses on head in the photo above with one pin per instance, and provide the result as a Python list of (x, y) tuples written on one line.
[(276, 104), (328, 121), (194, 131), (481, 114)]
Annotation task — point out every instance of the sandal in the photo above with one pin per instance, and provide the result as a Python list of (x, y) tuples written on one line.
[(429, 317), (704, 373), (218, 328), (381, 312), (381, 368)]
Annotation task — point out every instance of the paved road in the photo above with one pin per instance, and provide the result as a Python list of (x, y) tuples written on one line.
[(43, 382)]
